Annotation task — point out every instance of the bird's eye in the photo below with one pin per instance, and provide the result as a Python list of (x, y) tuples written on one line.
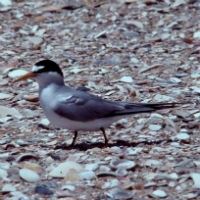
[(37, 68)]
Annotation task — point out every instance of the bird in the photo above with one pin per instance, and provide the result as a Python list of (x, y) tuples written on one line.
[(78, 109)]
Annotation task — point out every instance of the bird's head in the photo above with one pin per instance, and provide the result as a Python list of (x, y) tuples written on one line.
[(43, 68)]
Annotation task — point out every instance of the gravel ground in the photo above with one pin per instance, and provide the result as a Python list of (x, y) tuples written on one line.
[(125, 50)]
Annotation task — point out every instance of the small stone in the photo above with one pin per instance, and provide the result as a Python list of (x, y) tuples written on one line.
[(16, 73), (159, 97), (16, 195), (31, 97), (196, 35), (43, 190), (159, 193), (3, 174), (191, 196), (134, 60), (35, 40), (29, 175), (87, 175), (91, 166), (6, 2), (195, 75), (120, 172), (183, 136), (134, 151), (126, 79), (175, 80), (110, 184), (6, 111), (69, 170), (68, 187), (153, 163), (120, 194), (196, 89), (173, 176), (8, 188), (4, 156), (197, 115), (196, 179), (52, 135), (155, 127), (44, 122), (4, 96), (5, 119), (197, 163), (123, 164)]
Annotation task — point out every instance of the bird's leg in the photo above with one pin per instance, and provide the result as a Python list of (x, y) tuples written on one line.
[(104, 135), (74, 139)]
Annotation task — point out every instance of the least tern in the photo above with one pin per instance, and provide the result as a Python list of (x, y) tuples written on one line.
[(77, 109)]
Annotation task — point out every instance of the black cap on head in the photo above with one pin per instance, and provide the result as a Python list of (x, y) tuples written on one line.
[(46, 66)]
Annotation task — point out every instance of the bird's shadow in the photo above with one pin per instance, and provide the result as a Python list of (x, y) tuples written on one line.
[(85, 146)]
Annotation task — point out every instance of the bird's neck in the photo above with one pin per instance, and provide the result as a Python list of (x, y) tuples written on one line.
[(44, 80)]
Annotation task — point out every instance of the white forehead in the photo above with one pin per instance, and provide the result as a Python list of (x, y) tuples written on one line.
[(36, 68)]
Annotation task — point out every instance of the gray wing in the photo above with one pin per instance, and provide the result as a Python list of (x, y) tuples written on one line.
[(86, 107), (83, 106)]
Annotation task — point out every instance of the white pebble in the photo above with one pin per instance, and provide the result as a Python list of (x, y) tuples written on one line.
[(29, 175), (197, 35), (3, 174), (196, 179), (6, 2), (17, 73), (87, 175), (159, 193), (126, 79), (5, 96), (155, 127), (182, 136), (66, 169)]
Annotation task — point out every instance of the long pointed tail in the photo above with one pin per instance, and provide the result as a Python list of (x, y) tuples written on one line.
[(134, 108)]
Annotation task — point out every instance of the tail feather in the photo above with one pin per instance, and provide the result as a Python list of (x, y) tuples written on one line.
[(134, 108)]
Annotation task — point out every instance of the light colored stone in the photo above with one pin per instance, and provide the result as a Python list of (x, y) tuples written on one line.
[(183, 136), (110, 184), (4, 96), (8, 188), (6, 2), (6, 111), (196, 179), (3, 174), (122, 164), (16, 73), (196, 35), (29, 175), (69, 170), (196, 89), (126, 79), (91, 166), (159, 97), (44, 122), (159, 193), (155, 127), (35, 40), (87, 175), (175, 80), (68, 187), (153, 163)]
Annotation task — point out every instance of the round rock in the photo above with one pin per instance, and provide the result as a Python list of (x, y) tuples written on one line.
[(159, 193), (29, 175)]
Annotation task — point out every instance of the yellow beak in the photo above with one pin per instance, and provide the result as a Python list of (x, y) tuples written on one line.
[(26, 76)]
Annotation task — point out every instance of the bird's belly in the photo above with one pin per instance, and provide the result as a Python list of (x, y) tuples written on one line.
[(62, 122)]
